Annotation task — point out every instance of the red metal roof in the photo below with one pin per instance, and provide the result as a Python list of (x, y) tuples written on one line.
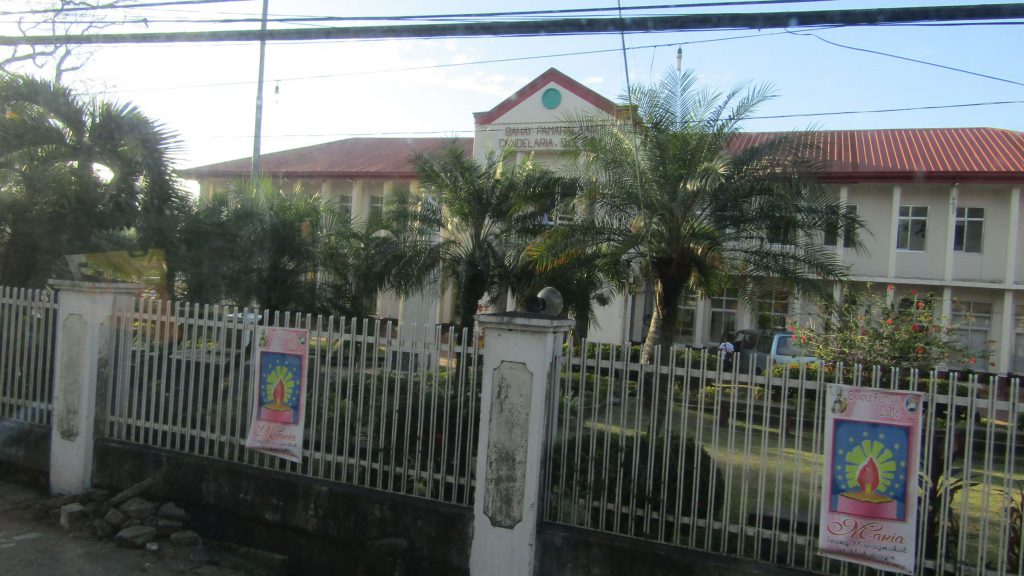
[(552, 75), (366, 158), (899, 155), (919, 154)]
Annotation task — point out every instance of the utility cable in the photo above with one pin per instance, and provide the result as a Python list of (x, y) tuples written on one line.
[(763, 117), (438, 66), (555, 27), (422, 16), (116, 7), (914, 60), (635, 142)]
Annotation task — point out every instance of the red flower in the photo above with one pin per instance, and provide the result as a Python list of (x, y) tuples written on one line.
[(972, 360), (913, 292), (916, 327), (889, 321), (920, 350), (920, 305), (890, 287)]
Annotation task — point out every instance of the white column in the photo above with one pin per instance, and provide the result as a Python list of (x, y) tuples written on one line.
[(840, 247), (1004, 360), (947, 253), (627, 316), (359, 201), (894, 227), (701, 317), (82, 360), (518, 374), (947, 306), (1013, 237)]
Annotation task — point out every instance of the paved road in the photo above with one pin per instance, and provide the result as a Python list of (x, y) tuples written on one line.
[(30, 546)]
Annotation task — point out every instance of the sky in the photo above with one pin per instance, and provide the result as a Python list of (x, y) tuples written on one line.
[(329, 90)]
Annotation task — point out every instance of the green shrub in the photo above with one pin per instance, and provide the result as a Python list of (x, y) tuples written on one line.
[(657, 473)]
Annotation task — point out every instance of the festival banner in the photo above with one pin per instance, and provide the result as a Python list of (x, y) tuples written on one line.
[(869, 499), (279, 392)]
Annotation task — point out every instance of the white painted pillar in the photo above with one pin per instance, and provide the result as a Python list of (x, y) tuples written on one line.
[(701, 317), (947, 306), (840, 247), (947, 253), (627, 316), (894, 228), (518, 376), (1007, 334), (84, 315), (360, 202), (1013, 238)]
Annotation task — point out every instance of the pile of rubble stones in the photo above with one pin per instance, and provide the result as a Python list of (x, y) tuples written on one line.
[(130, 519)]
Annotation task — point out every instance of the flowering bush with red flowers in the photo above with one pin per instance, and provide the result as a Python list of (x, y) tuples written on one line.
[(866, 330)]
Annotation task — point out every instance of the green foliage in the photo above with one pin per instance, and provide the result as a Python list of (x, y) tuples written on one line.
[(668, 194), (428, 420), (283, 250), (868, 331), (614, 352), (795, 370), (471, 221), (75, 174), (1014, 510), (668, 473)]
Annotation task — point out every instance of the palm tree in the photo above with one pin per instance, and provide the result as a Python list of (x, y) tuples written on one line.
[(286, 250), (71, 170), (672, 194), (471, 220), (256, 245)]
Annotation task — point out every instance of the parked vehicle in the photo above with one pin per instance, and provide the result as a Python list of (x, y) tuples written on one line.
[(757, 347)]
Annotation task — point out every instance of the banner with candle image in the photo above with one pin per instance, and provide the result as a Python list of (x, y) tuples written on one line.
[(279, 392), (869, 499)]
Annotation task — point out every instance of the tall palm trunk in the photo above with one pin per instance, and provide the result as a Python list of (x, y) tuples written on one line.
[(473, 289), (664, 318)]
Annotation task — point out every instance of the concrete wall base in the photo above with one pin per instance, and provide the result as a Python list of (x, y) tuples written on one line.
[(323, 527), (25, 453), (567, 551)]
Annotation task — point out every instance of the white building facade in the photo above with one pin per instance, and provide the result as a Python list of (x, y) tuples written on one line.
[(942, 208)]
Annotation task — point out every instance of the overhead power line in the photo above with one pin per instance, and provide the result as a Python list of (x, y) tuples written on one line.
[(510, 124), (885, 110), (439, 66), (115, 7), (422, 16), (907, 59), (568, 26)]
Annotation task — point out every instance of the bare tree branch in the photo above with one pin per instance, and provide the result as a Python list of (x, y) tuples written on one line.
[(64, 20)]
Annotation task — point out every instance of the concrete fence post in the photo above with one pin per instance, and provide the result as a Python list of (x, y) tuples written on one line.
[(518, 372), (82, 360)]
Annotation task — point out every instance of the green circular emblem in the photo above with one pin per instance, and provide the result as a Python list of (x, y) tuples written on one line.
[(551, 98)]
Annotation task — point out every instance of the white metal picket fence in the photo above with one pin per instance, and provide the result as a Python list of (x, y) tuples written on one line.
[(685, 453), (27, 344), (387, 407)]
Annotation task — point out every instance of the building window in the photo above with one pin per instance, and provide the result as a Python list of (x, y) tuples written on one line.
[(687, 319), (772, 310), (344, 204), (970, 223), (376, 205), (1018, 341), (832, 233), (912, 228), (972, 322), (723, 315)]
